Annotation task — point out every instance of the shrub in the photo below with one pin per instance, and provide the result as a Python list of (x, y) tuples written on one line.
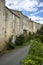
[(36, 37), (32, 60), (36, 47), (10, 43), (41, 36), (35, 56), (19, 40)]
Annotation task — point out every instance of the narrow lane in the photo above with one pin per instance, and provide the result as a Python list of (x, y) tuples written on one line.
[(14, 57)]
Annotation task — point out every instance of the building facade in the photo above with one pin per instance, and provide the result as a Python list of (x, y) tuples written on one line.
[(14, 23), (2, 23)]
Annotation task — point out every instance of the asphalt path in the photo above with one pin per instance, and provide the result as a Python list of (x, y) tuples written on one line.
[(14, 57)]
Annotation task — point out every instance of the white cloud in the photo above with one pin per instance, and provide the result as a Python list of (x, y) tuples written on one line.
[(36, 19), (41, 10), (28, 5), (38, 12), (41, 4)]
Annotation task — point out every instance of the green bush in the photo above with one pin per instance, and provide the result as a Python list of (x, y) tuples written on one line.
[(10, 43), (37, 37), (42, 38), (35, 56), (19, 40), (36, 48), (32, 60)]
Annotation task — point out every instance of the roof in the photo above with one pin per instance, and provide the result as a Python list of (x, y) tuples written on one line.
[(17, 13), (13, 12)]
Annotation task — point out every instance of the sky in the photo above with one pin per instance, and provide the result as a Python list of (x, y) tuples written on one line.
[(31, 8)]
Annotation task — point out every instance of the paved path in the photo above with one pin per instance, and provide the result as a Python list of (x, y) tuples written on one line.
[(14, 57)]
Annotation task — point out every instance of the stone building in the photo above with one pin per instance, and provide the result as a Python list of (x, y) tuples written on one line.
[(2, 18), (14, 23), (9, 24), (36, 27), (2, 23), (25, 25), (30, 26)]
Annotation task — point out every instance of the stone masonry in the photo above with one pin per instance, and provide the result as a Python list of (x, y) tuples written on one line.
[(14, 23)]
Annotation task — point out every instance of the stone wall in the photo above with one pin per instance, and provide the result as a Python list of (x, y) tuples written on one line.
[(2, 24), (14, 23), (18, 21), (2, 19), (17, 28), (36, 26), (8, 23), (25, 24)]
